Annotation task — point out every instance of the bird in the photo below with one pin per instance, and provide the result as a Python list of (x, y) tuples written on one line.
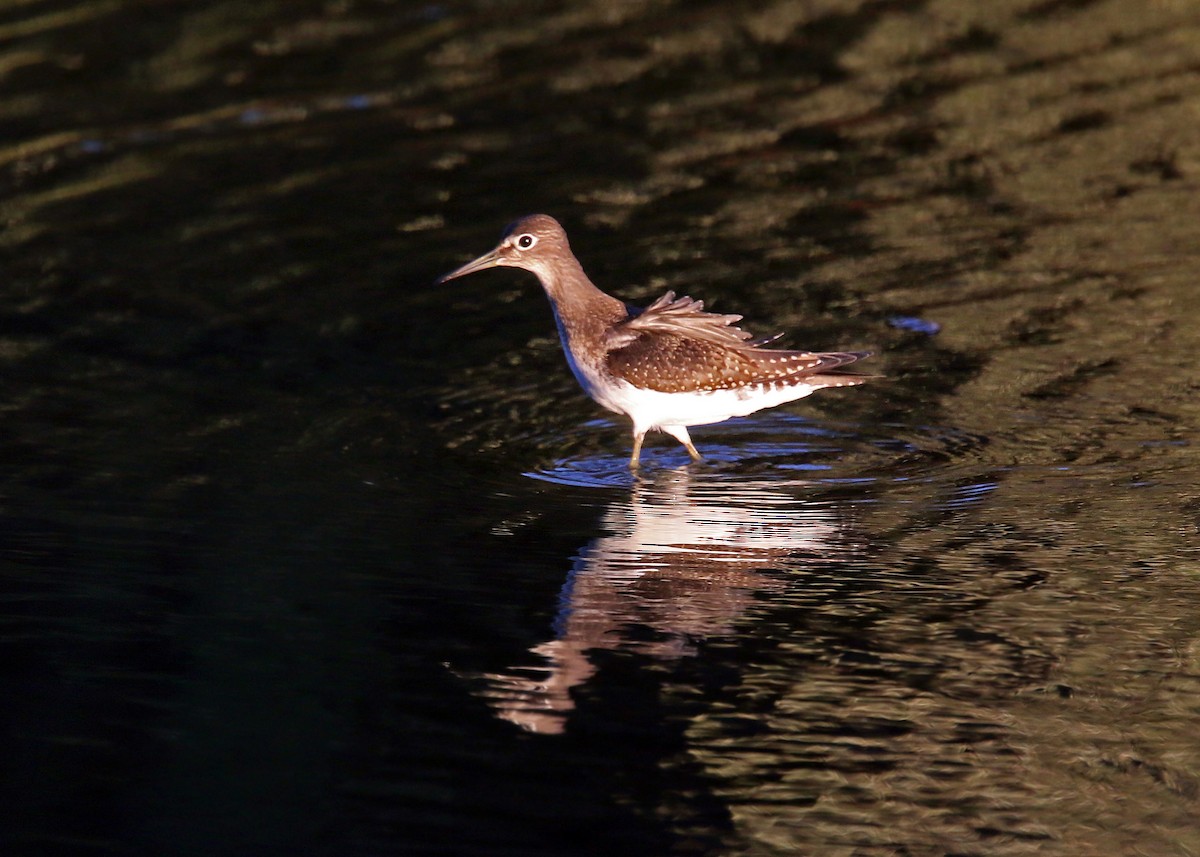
[(667, 366)]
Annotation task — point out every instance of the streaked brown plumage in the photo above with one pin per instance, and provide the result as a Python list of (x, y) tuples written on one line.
[(668, 366)]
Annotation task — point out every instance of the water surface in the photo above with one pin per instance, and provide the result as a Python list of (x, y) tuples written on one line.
[(305, 555)]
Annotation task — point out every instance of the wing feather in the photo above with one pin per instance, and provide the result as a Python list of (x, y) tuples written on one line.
[(673, 345), (684, 317)]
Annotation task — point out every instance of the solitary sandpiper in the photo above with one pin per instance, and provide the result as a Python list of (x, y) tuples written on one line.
[(668, 366)]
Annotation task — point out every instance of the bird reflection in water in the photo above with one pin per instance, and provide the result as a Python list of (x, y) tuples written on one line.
[(683, 560)]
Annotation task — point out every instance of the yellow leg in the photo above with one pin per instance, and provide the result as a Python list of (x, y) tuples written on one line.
[(637, 450), (680, 433)]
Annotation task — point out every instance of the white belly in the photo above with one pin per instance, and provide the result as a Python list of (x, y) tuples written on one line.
[(651, 409)]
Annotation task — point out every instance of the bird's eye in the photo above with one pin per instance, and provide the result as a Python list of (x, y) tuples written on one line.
[(525, 241)]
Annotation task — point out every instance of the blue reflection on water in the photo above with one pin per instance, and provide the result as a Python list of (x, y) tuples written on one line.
[(914, 324)]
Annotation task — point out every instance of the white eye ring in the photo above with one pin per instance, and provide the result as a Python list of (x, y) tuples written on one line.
[(525, 241)]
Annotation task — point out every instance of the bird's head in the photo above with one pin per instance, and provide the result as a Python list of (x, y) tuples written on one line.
[(536, 243)]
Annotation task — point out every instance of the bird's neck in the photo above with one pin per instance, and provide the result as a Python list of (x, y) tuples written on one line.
[(582, 311)]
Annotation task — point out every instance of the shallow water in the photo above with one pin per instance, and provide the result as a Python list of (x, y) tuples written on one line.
[(304, 555)]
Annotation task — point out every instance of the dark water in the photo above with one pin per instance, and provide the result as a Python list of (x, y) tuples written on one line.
[(303, 555)]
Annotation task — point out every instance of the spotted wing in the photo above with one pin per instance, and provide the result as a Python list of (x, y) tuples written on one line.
[(673, 346)]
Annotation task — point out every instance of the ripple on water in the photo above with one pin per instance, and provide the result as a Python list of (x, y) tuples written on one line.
[(688, 555), (779, 449)]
